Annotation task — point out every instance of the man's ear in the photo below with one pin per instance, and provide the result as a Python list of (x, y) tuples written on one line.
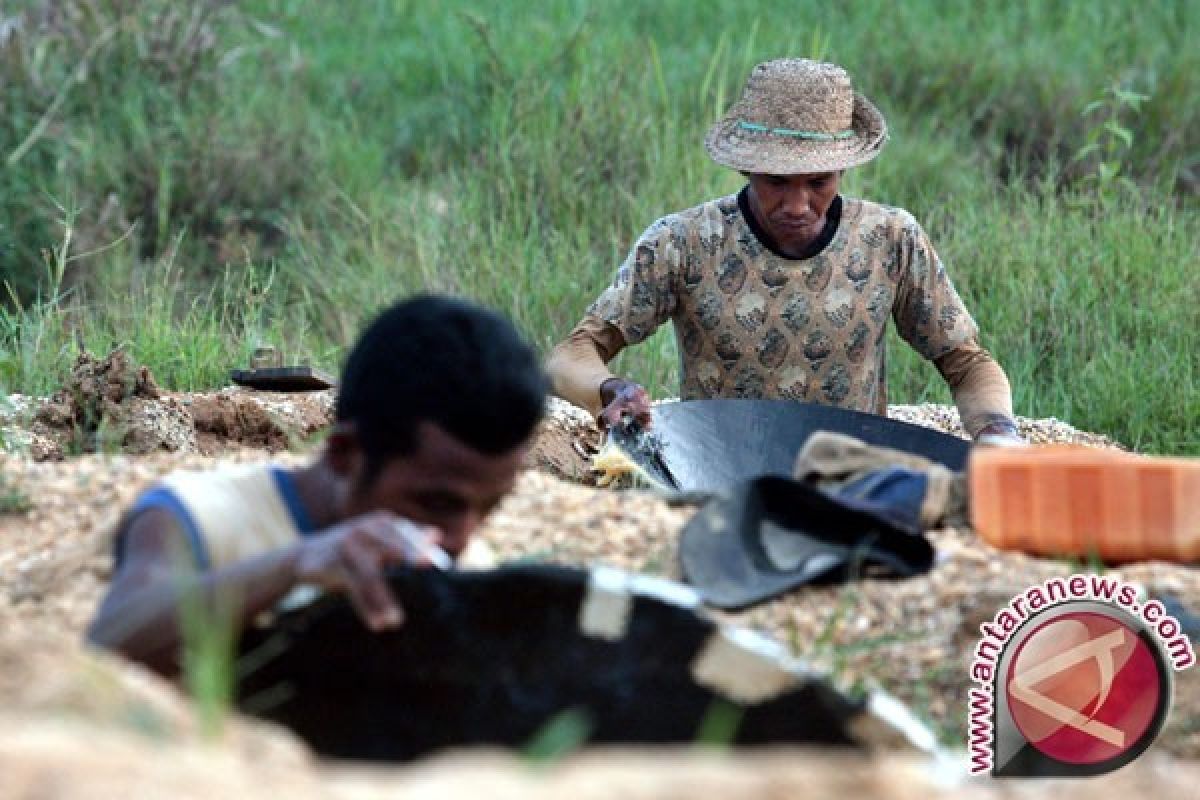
[(343, 451)]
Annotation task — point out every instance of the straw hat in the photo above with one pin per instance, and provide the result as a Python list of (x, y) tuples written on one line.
[(797, 116)]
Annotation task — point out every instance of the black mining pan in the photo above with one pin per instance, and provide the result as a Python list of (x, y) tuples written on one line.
[(711, 445), (496, 657)]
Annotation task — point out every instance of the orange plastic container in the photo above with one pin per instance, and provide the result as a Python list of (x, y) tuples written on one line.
[(1056, 500)]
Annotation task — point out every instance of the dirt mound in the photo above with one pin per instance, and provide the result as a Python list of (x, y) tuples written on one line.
[(268, 420), (564, 443), (110, 404), (77, 723), (1047, 430), (58, 761), (73, 725)]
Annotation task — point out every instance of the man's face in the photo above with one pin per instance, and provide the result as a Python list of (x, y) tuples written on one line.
[(792, 207), (444, 483)]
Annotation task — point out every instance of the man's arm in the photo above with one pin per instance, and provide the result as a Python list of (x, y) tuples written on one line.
[(142, 616), (577, 365), (981, 391), (579, 373), (931, 317), (641, 298)]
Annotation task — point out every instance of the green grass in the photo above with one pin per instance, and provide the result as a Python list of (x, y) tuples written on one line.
[(209, 646), (558, 737), (301, 164), (13, 497)]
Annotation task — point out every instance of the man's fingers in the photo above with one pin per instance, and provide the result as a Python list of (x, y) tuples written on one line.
[(354, 558), (637, 402), (640, 405), (366, 582), (626, 397), (375, 620), (631, 400), (420, 544), (610, 417)]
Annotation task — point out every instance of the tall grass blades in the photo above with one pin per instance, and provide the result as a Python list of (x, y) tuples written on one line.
[(276, 170)]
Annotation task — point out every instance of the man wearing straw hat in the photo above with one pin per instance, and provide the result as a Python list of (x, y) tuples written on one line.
[(784, 289)]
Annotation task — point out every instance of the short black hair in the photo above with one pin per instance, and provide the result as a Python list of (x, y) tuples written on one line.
[(444, 360)]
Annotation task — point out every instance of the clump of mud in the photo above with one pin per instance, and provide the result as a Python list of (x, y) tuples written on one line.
[(268, 420), (111, 404)]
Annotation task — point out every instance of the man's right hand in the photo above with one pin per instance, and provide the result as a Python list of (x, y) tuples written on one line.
[(352, 557), (621, 397)]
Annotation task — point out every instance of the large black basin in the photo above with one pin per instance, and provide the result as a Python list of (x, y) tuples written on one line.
[(710, 445)]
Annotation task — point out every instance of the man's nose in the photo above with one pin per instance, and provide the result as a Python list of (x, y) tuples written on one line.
[(797, 202), (454, 533)]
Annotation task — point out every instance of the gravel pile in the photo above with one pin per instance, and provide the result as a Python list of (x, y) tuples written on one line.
[(913, 637), (1036, 431)]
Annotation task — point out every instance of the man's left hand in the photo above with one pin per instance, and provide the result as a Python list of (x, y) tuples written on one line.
[(1001, 433)]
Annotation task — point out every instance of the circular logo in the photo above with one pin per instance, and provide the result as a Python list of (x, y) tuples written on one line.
[(1088, 688)]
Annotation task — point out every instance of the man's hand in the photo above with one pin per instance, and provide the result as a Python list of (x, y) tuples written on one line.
[(352, 557), (622, 397), (1001, 433)]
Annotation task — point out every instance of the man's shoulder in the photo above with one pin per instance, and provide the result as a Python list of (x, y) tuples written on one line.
[(870, 213), (699, 218), (223, 484), (174, 491), (229, 512), (234, 474), (724, 206)]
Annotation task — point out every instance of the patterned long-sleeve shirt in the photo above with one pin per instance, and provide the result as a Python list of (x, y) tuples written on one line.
[(753, 323)]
